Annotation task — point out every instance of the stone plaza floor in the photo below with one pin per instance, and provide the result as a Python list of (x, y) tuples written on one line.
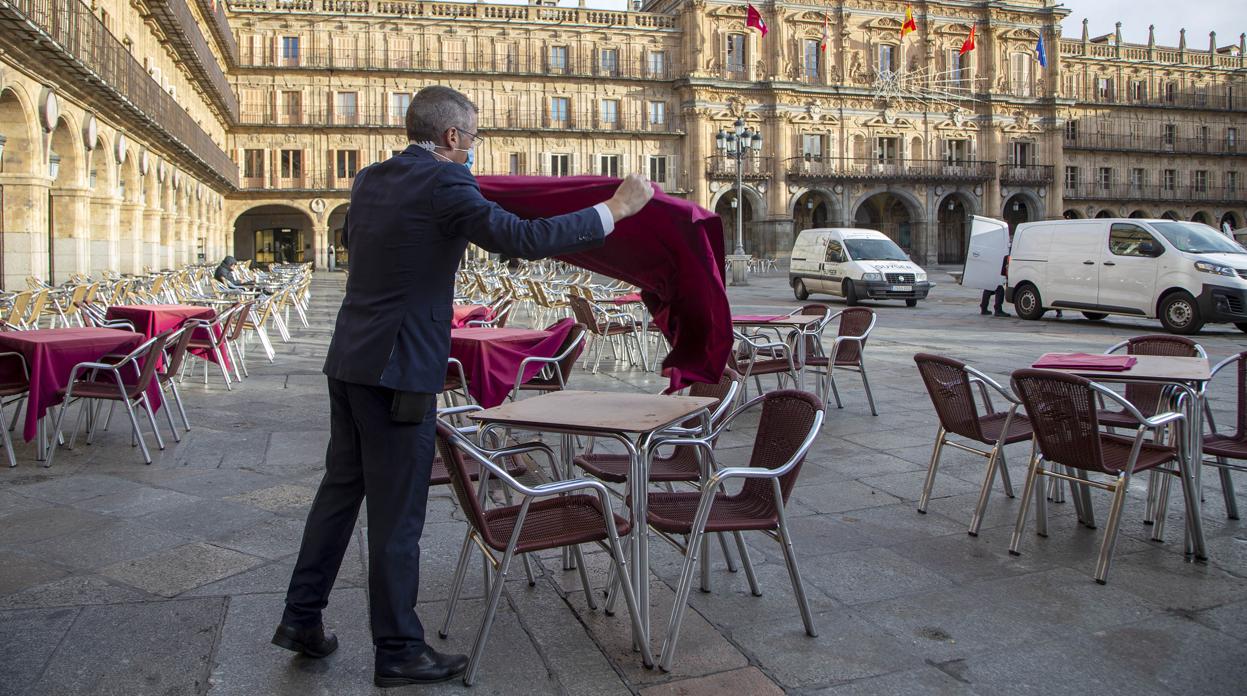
[(121, 578)]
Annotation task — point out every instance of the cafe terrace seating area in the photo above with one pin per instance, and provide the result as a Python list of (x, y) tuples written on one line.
[(860, 504)]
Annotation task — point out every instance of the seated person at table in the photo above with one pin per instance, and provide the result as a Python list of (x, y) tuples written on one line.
[(412, 217), (225, 273)]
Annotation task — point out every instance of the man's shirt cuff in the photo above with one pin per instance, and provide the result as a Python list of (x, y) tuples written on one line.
[(608, 220)]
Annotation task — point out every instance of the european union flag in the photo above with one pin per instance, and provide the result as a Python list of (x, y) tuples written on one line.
[(1042, 52)]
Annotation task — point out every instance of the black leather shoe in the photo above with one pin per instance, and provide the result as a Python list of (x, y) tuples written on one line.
[(1002, 313), (429, 667), (313, 642), (983, 311)]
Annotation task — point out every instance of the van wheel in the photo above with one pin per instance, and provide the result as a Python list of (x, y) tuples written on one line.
[(799, 290), (850, 293), (911, 303), (1095, 316), (1179, 314), (1027, 303)]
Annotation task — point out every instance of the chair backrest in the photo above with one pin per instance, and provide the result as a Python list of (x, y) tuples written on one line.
[(36, 307), (179, 341), (21, 302), (149, 355), (571, 349), (234, 332), (788, 417), (1062, 411), (854, 321), (1239, 363), (582, 311), (1146, 397), (719, 391), (452, 455), (948, 385)]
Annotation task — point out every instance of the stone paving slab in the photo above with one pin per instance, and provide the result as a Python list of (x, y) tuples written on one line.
[(191, 555)]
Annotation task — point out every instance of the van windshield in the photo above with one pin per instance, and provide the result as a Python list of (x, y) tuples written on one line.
[(1196, 238), (874, 250)]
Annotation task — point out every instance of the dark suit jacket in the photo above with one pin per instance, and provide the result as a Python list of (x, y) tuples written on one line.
[(411, 219)]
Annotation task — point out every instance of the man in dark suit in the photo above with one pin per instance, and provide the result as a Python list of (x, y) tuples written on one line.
[(412, 216)]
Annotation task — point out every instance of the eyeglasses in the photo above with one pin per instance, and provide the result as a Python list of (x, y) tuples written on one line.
[(476, 139)]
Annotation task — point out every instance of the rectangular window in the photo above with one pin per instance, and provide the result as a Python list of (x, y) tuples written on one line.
[(958, 69), (291, 107), (1231, 139), (887, 58), (608, 165), (454, 55), (810, 58), (559, 109), (506, 58), (658, 169), (1138, 90), (1104, 88), (1020, 74), (657, 64), (1071, 177), (514, 164), (812, 146), (958, 151), (1231, 182), (347, 162), (888, 150), (1129, 240), (1071, 131), (736, 53), (1170, 134), (560, 165), (657, 113), (610, 113), (558, 59), (1138, 177), (1169, 179), (1105, 178), (291, 164), (1200, 180), (608, 61), (399, 101), (1021, 154), (253, 164), (289, 50), (346, 107)]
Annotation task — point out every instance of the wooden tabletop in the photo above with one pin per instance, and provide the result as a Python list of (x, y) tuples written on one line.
[(601, 412), (1153, 368)]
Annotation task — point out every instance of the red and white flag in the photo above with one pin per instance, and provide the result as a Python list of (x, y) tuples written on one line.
[(822, 45), (753, 18), (968, 44)]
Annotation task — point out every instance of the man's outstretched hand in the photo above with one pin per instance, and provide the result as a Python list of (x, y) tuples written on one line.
[(630, 197)]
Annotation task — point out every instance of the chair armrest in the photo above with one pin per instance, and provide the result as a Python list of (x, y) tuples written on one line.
[(1163, 419), (981, 378)]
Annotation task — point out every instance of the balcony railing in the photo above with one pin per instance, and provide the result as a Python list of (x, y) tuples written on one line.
[(1155, 144), (454, 62), (864, 169), (182, 30), (214, 11), (1146, 193), (329, 182), (751, 167), (565, 16), (50, 33), (1026, 174), (490, 119), (1220, 98)]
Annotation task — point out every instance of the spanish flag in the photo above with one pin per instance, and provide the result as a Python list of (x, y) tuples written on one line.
[(909, 24), (968, 44)]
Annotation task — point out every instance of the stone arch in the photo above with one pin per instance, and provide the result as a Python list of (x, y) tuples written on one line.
[(22, 201), (1106, 213), (1202, 216), (102, 174), (1140, 214), (953, 216), (1171, 215), (754, 210), (1233, 219), (337, 235), (813, 207), (105, 216), (271, 232), (68, 202), (130, 189), (894, 212), (1022, 206), (1072, 214)]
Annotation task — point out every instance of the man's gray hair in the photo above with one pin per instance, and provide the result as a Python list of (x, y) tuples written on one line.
[(435, 109)]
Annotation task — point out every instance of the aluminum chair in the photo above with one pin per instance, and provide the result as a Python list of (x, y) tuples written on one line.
[(1064, 414), (210, 336), (847, 353), (789, 423), (15, 386), (951, 385), (556, 370), (174, 355), (107, 381), (554, 515), (606, 326), (756, 355), (1226, 446)]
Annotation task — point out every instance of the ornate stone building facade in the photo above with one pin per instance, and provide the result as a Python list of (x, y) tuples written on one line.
[(239, 126)]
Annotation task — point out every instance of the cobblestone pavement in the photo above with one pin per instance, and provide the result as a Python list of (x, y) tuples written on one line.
[(120, 578)]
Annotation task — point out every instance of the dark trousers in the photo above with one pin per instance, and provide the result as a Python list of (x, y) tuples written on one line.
[(999, 293), (372, 457)]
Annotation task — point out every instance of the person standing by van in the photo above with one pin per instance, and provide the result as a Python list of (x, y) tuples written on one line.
[(999, 292)]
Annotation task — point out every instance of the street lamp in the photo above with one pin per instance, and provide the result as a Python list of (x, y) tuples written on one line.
[(738, 144)]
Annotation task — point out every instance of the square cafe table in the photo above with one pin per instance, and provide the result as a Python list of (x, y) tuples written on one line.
[(1187, 376), (792, 322), (633, 420)]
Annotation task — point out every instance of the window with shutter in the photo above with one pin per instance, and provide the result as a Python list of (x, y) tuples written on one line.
[(736, 53), (1020, 74)]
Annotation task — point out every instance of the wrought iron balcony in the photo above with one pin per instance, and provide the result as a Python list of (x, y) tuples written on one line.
[(182, 31), (874, 169), (1026, 174), (65, 41), (752, 167), (1152, 193), (624, 121), (1153, 144), (214, 11)]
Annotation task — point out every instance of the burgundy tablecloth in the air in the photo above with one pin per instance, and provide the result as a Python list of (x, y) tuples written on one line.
[(672, 250)]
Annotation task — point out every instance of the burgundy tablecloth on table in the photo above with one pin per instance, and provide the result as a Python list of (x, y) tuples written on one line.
[(672, 250), (1085, 361), (151, 320), (51, 355), (465, 313), (491, 357), (627, 299)]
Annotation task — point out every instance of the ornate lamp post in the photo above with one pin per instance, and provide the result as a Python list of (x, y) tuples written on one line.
[(739, 144)]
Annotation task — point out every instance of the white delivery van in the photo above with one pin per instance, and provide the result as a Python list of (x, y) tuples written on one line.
[(856, 265), (985, 259), (1183, 273)]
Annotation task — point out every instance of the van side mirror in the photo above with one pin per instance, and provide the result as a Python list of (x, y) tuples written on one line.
[(1151, 249)]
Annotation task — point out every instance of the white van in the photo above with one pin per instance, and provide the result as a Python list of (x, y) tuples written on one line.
[(856, 265), (1183, 273)]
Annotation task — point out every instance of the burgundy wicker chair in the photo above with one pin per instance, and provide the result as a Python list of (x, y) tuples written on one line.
[(789, 422), (951, 385), (606, 326), (166, 375), (847, 353), (558, 369), (1147, 398), (456, 382), (15, 385), (756, 355), (554, 515), (1065, 416), (1226, 446)]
